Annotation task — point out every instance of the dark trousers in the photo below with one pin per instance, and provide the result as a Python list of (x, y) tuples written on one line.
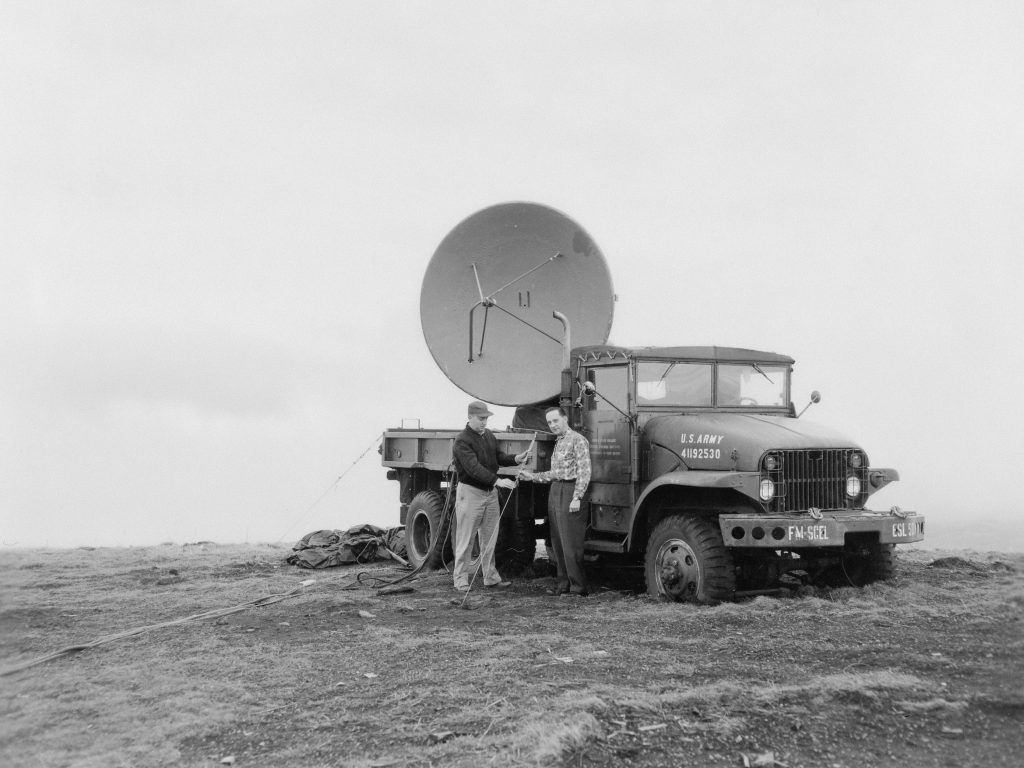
[(567, 530)]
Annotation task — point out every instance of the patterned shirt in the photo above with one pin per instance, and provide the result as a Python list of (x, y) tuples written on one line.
[(571, 460)]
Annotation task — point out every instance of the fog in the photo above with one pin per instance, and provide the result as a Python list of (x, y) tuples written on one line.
[(216, 217)]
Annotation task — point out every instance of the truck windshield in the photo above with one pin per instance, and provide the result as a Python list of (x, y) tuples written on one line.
[(670, 383), (752, 384)]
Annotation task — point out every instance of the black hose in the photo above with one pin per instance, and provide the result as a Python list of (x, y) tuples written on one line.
[(436, 545)]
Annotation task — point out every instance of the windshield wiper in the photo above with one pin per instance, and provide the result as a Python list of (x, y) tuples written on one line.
[(757, 368)]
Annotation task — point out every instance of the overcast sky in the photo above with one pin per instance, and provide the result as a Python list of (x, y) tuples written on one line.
[(215, 218)]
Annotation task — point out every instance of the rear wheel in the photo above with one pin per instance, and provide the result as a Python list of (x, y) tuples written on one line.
[(687, 561), (426, 528), (516, 546)]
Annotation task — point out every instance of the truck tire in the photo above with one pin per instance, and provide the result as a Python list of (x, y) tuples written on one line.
[(883, 565), (878, 563), (687, 561), (516, 547), (426, 527)]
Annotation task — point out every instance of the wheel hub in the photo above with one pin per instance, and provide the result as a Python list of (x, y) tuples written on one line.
[(678, 571)]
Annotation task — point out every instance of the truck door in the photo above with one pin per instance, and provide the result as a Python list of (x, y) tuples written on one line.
[(606, 426)]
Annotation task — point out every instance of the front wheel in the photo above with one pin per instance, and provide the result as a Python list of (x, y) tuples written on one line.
[(687, 561), (863, 565)]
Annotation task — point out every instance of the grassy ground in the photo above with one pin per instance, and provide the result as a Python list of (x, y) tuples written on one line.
[(925, 671)]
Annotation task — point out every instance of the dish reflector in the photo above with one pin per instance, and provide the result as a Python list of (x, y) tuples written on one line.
[(499, 275)]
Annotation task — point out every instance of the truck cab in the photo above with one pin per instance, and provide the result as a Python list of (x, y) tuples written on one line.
[(701, 466)]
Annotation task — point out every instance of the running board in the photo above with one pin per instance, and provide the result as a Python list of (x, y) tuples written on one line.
[(600, 545)]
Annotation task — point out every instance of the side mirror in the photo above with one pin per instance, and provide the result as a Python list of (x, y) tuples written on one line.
[(815, 398), (586, 395)]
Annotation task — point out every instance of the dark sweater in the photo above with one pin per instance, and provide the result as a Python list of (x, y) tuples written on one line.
[(477, 458)]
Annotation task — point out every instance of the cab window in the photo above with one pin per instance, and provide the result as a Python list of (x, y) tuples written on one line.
[(612, 383), (752, 385), (672, 383)]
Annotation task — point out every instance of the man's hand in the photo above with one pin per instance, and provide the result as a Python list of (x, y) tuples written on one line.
[(504, 482), (574, 505), (522, 458), (526, 475)]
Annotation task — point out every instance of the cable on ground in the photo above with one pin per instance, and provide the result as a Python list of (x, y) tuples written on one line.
[(259, 602)]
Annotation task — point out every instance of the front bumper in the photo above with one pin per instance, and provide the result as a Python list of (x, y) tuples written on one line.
[(800, 531)]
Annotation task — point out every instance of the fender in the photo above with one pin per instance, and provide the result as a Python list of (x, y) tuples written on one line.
[(878, 478), (747, 483)]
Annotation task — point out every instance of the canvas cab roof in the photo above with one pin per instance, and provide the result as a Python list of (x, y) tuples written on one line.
[(597, 352)]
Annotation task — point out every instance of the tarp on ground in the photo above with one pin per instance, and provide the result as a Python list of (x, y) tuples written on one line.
[(359, 544)]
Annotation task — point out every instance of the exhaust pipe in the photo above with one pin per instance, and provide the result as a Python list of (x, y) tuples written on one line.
[(565, 397)]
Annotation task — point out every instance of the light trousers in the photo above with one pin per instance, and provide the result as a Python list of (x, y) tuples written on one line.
[(476, 514)]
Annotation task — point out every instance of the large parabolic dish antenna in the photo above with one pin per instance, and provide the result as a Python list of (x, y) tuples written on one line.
[(489, 293)]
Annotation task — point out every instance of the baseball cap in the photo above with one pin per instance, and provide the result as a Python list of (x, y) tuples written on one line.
[(476, 408)]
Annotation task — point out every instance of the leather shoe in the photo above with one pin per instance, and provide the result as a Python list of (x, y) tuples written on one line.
[(500, 585)]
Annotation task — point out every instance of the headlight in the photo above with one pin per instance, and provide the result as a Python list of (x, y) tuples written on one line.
[(852, 486), (856, 460), (772, 462), (767, 489)]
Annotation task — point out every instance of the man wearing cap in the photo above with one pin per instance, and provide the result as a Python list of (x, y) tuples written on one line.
[(477, 459)]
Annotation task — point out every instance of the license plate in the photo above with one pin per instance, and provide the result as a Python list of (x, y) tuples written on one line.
[(815, 532), (905, 529)]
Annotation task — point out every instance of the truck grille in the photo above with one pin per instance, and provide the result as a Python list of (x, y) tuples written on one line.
[(812, 478)]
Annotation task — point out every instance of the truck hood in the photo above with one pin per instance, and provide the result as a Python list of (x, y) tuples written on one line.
[(708, 440)]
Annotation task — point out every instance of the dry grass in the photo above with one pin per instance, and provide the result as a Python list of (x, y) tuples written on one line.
[(515, 678)]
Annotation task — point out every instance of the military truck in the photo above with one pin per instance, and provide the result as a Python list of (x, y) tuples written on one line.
[(704, 474)]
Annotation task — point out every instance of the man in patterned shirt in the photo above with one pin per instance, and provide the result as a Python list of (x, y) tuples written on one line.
[(569, 477)]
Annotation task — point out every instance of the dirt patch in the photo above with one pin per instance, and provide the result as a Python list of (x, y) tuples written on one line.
[(923, 671)]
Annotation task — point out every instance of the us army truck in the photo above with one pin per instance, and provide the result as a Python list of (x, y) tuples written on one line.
[(703, 473)]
